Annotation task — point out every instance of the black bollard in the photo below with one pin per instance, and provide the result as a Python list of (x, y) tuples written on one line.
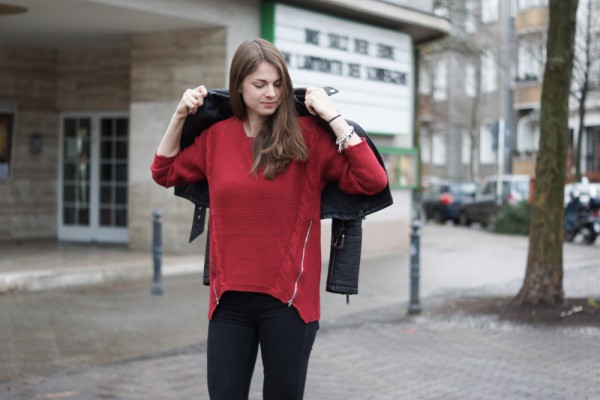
[(414, 306), (157, 289)]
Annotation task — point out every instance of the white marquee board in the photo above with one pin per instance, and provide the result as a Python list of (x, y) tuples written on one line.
[(372, 67)]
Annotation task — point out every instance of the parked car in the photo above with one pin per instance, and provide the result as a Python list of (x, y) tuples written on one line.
[(441, 201), (484, 205)]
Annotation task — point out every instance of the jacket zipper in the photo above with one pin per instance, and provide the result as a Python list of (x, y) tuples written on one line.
[(290, 302)]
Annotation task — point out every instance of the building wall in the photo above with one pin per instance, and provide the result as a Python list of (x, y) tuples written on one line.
[(163, 65), (44, 83), (93, 80), (28, 196)]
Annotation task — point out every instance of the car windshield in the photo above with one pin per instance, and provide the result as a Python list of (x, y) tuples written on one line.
[(463, 188)]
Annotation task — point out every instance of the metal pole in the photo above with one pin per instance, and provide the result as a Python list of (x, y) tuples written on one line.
[(414, 306), (157, 289)]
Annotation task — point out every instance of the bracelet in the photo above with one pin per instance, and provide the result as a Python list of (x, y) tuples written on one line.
[(334, 118), (341, 140)]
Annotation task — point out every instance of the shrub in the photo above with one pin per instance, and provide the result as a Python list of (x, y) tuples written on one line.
[(512, 219)]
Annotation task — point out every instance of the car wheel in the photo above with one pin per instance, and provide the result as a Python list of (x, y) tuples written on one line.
[(463, 219)]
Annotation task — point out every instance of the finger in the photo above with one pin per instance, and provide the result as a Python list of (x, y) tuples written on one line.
[(202, 90), (311, 110)]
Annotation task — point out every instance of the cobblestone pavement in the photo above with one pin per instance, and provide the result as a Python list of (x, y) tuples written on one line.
[(427, 357), (118, 342)]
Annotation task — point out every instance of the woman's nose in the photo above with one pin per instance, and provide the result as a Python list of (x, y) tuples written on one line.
[(270, 90)]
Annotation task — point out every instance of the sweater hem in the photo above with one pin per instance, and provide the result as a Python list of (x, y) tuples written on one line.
[(284, 298)]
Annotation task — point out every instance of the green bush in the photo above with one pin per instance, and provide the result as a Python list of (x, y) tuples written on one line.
[(512, 219)]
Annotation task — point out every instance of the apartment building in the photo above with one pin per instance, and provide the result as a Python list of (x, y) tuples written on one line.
[(487, 79)]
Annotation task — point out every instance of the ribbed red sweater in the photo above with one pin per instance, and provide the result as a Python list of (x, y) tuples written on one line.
[(265, 234)]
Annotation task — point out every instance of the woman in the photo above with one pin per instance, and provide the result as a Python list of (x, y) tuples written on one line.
[(266, 168)]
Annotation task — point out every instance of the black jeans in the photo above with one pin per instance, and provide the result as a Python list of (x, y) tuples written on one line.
[(240, 323)]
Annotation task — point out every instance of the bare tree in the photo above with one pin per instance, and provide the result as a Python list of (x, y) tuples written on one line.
[(587, 54), (543, 281), (471, 40)]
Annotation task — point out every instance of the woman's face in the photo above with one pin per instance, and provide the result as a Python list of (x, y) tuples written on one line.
[(261, 91)]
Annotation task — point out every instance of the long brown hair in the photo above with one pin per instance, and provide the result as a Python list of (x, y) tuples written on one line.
[(280, 139)]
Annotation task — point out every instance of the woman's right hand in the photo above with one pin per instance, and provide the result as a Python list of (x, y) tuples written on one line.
[(191, 100)]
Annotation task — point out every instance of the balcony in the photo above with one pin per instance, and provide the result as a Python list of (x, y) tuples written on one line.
[(527, 94), (531, 20)]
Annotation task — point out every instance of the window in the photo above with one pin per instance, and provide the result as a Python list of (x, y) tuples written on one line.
[(466, 148), (489, 72), (595, 67), (530, 60), (425, 83), (489, 11), (470, 21), (486, 145), (438, 149), (470, 79), (439, 90), (592, 150), (7, 121)]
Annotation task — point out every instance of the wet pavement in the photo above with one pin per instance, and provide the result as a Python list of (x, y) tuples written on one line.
[(117, 341)]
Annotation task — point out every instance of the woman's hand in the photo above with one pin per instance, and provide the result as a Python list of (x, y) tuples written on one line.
[(191, 100), (318, 103)]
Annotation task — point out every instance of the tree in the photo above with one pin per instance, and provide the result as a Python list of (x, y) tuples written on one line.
[(586, 61), (543, 281), (470, 41)]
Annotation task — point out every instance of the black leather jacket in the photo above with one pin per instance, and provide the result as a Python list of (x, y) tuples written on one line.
[(346, 211)]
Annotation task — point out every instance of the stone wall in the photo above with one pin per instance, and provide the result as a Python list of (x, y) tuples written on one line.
[(163, 66), (93, 80), (42, 83), (28, 196)]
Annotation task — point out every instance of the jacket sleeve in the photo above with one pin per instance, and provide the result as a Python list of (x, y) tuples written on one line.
[(356, 169), (188, 166)]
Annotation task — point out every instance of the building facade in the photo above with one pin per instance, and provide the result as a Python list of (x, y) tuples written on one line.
[(487, 76), (87, 88)]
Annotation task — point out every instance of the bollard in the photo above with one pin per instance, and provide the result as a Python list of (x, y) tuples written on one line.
[(157, 289), (414, 306)]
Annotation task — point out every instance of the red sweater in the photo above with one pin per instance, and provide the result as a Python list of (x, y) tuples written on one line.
[(265, 234)]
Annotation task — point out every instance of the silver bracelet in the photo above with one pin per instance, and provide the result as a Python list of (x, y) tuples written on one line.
[(341, 140)]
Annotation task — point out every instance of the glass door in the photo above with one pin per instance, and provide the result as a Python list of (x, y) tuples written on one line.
[(94, 178)]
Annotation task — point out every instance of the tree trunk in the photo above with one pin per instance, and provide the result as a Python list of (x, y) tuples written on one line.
[(543, 281)]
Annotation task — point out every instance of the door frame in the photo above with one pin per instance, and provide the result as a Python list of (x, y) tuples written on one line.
[(94, 232)]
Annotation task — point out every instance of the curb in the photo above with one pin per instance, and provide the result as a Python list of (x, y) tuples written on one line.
[(35, 280)]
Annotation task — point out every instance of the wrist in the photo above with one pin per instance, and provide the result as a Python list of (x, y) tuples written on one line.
[(329, 116), (333, 118)]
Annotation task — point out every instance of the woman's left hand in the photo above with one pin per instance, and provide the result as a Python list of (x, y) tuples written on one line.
[(318, 103)]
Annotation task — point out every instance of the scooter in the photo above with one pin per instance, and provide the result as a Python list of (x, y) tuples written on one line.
[(582, 219)]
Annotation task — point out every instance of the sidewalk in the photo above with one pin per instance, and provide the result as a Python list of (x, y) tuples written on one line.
[(117, 341)]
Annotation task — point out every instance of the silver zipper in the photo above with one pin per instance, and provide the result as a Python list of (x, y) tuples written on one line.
[(301, 264), (213, 285), (216, 296)]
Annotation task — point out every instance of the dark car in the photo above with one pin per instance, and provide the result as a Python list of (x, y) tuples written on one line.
[(485, 204), (441, 201)]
